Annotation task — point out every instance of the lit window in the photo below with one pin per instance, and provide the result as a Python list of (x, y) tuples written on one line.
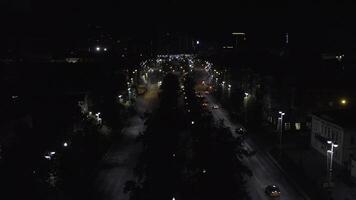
[(297, 126)]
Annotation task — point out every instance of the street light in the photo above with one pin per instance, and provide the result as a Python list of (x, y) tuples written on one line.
[(343, 102), (245, 105), (331, 152), (280, 136), (65, 144)]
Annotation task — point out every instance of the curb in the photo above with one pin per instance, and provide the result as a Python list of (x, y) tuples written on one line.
[(305, 196)]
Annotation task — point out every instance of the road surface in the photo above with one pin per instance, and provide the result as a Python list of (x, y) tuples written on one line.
[(119, 162), (265, 172)]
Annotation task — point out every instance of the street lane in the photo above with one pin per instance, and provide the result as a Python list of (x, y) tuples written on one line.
[(119, 162), (265, 172)]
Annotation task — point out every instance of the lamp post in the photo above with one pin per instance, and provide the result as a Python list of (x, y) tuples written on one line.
[(236, 37), (281, 129), (245, 105), (331, 152)]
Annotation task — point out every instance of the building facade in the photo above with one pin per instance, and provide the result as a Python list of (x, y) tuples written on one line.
[(326, 128)]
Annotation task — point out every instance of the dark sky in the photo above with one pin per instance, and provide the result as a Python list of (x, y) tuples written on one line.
[(304, 20)]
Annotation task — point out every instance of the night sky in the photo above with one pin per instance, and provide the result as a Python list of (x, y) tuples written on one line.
[(319, 24)]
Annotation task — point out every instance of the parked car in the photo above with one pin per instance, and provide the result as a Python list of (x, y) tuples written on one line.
[(215, 106), (273, 191)]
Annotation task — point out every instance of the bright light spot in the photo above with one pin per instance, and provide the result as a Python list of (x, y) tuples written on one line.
[(193, 122), (14, 97), (204, 171), (120, 96), (97, 48), (105, 49), (65, 144), (174, 155), (48, 157), (185, 97), (229, 86), (237, 33), (343, 102), (52, 153), (198, 42)]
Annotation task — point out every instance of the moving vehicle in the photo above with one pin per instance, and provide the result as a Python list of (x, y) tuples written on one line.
[(272, 191)]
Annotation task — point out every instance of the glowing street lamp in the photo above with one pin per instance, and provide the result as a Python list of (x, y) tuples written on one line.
[(331, 152), (245, 105), (280, 136), (343, 102)]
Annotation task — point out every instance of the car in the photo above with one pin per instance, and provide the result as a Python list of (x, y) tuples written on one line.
[(273, 191), (241, 131)]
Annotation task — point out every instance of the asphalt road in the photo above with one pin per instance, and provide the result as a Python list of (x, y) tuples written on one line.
[(119, 162), (265, 171)]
